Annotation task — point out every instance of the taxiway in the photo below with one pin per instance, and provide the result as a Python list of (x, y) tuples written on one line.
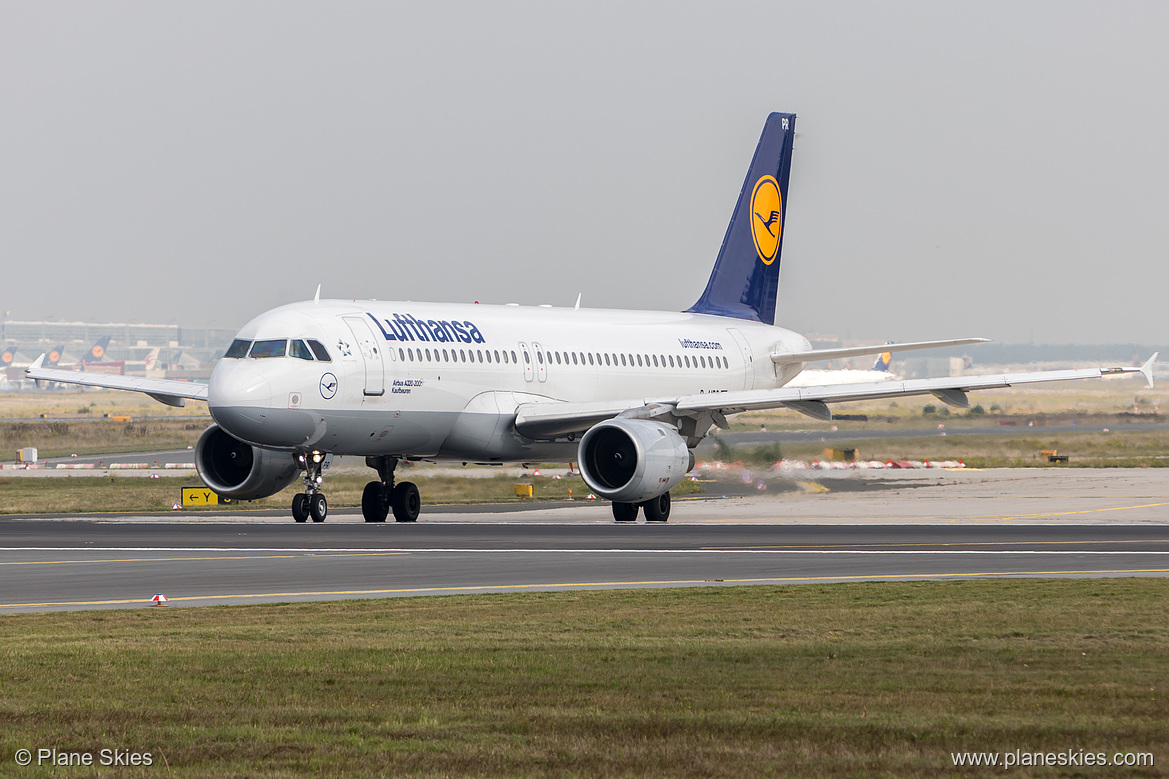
[(844, 527)]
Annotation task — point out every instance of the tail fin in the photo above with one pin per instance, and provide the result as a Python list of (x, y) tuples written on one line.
[(7, 356), (98, 351), (53, 357), (883, 360), (745, 279)]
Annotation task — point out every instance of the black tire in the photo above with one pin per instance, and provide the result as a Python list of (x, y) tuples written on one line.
[(318, 507), (657, 509), (625, 512), (374, 505), (300, 507), (406, 502)]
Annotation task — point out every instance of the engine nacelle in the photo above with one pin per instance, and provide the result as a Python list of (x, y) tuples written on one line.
[(632, 460), (242, 471)]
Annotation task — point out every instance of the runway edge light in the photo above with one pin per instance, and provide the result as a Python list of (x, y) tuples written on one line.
[(158, 600)]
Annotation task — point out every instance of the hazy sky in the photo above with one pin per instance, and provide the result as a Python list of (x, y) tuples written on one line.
[(975, 169)]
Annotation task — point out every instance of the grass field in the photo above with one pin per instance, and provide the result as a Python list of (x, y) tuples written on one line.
[(1119, 448), (876, 679)]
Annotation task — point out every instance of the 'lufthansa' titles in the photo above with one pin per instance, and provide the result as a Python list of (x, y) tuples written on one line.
[(405, 327), (767, 218)]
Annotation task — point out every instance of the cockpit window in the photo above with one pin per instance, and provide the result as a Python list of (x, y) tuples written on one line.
[(238, 349), (319, 350), (269, 349), (298, 350)]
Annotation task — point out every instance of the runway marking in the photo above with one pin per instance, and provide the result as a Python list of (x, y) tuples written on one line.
[(185, 559), (948, 520), (652, 583), (1082, 511), (942, 543), (333, 553), (382, 551)]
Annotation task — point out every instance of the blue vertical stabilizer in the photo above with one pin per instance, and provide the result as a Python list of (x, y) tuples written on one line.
[(745, 279)]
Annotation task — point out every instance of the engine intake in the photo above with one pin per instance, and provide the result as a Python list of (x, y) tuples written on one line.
[(632, 460), (241, 471)]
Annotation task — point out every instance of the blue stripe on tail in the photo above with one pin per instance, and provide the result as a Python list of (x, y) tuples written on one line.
[(745, 279)]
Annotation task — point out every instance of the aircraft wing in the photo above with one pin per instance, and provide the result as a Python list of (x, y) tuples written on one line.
[(168, 391), (548, 419), (783, 358)]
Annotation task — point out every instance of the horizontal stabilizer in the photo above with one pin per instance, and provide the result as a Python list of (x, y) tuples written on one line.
[(785, 358)]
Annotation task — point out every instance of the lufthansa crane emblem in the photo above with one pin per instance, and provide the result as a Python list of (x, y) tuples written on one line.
[(328, 386), (767, 218)]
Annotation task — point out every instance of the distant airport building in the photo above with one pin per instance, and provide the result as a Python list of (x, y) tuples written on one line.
[(47, 333)]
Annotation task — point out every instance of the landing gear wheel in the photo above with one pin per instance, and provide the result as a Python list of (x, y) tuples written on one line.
[(375, 505), (406, 502), (657, 509), (625, 512), (318, 507), (300, 507)]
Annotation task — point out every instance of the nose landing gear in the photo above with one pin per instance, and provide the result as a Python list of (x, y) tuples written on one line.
[(380, 497), (311, 502)]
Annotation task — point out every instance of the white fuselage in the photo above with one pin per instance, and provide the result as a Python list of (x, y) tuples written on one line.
[(443, 381)]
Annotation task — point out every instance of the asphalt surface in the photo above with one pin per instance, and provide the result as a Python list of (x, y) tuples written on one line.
[(839, 527)]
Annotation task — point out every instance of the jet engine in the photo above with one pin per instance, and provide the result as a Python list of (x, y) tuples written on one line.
[(238, 470), (633, 460)]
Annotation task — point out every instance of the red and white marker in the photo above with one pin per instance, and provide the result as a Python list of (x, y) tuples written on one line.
[(158, 600)]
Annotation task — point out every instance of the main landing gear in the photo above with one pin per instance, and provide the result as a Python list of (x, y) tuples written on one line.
[(380, 497), (311, 502), (656, 509)]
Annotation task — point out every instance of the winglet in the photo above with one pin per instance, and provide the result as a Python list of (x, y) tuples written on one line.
[(317, 297), (36, 366), (1147, 369)]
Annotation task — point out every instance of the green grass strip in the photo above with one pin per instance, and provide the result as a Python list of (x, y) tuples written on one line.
[(875, 679)]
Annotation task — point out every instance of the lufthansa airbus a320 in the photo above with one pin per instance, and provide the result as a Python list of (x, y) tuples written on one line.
[(626, 394)]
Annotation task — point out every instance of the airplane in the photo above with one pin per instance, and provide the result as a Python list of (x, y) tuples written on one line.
[(97, 352), (625, 394), (7, 356)]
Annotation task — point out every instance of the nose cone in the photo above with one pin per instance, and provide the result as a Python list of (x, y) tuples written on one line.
[(240, 399)]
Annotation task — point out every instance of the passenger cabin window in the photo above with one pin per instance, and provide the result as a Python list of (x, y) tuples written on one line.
[(319, 350), (238, 349), (268, 349), (299, 350)]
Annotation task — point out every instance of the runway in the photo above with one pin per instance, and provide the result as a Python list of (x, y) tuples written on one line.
[(879, 526)]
